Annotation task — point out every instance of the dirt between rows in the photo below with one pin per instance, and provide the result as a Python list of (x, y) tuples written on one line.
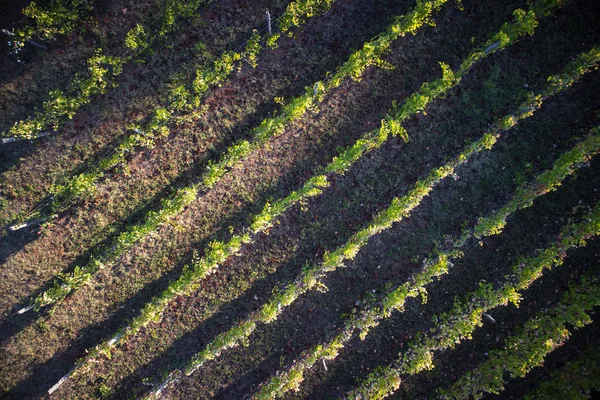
[(70, 328), (120, 201), (323, 223)]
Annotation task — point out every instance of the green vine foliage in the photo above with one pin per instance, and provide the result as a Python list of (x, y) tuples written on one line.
[(206, 265), (59, 17), (82, 275), (399, 209), (102, 69), (458, 324), (293, 110), (83, 184), (549, 181), (528, 348), (575, 380), (137, 39), (60, 107), (299, 12), (395, 299), (181, 100), (170, 207), (219, 251)]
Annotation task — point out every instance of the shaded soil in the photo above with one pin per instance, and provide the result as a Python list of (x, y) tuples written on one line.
[(37, 351)]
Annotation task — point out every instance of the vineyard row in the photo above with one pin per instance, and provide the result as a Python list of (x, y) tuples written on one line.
[(218, 252), (169, 208), (368, 318), (181, 103), (452, 327), (529, 347), (312, 275)]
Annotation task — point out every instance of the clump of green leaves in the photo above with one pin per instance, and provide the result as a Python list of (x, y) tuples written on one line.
[(58, 17), (62, 106), (137, 39)]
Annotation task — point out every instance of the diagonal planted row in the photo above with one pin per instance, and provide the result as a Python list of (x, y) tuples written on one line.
[(317, 187), (466, 316), (170, 207), (269, 128), (311, 276), (218, 251), (181, 103), (292, 377), (577, 379), (103, 71), (528, 348)]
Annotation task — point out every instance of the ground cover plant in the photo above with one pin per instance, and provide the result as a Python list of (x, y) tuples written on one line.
[(300, 199)]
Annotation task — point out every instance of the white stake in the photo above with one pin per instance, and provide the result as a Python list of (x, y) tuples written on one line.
[(488, 316), (492, 47), (25, 309), (172, 378), (32, 222), (57, 384), (269, 22), (17, 139)]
